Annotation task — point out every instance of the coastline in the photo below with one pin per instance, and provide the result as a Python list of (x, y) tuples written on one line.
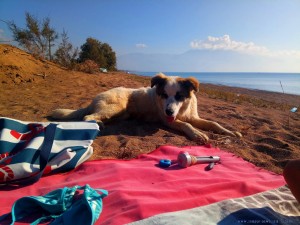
[(266, 81)]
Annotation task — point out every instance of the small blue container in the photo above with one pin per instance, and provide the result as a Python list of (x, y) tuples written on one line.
[(164, 163)]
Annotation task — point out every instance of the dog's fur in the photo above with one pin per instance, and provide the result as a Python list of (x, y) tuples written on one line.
[(170, 100)]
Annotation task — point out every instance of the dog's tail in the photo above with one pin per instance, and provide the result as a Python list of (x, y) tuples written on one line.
[(69, 114)]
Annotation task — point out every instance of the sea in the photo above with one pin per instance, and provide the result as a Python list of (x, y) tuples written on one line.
[(288, 83)]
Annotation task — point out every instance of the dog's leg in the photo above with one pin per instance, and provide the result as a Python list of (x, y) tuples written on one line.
[(106, 113), (208, 125), (95, 117), (189, 130)]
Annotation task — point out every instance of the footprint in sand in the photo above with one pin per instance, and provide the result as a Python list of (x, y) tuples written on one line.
[(277, 149), (276, 153), (262, 120)]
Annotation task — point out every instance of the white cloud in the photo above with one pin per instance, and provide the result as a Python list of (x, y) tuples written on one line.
[(227, 44), (286, 53), (141, 45)]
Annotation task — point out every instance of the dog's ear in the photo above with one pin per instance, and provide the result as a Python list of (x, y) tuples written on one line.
[(158, 80), (194, 83), (191, 83)]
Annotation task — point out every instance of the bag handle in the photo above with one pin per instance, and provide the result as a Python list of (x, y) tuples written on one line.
[(45, 151)]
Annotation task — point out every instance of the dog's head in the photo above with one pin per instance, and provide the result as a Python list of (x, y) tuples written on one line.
[(173, 92)]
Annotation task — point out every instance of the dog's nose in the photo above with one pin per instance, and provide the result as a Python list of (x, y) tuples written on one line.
[(169, 112)]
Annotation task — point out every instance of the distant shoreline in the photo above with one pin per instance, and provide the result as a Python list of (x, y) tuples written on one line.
[(250, 80)]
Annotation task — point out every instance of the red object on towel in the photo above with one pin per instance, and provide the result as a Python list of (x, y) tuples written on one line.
[(139, 189)]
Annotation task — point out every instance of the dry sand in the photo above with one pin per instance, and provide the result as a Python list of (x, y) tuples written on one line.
[(31, 88)]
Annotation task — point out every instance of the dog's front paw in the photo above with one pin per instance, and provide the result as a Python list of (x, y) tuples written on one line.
[(201, 141), (199, 137)]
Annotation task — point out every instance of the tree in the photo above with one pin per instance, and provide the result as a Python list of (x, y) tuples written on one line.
[(99, 52), (66, 55), (36, 38), (110, 56), (49, 34)]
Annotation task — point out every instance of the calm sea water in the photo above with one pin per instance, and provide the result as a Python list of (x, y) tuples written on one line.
[(261, 81)]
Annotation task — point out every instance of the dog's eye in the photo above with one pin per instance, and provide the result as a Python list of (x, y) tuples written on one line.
[(179, 97), (164, 95)]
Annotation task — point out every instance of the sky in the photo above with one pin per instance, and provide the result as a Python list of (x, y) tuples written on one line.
[(176, 35)]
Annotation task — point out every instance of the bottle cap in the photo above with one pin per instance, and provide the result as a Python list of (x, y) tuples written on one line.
[(164, 163)]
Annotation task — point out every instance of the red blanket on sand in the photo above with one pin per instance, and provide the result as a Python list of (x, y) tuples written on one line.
[(138, 188)]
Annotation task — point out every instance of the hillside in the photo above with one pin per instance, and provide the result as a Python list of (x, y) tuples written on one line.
[(17, 66), (31, 88)]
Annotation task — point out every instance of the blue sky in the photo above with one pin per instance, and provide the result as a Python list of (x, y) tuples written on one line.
[(250, 35)]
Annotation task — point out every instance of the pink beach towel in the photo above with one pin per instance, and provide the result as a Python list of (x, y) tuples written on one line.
[(139, 189)]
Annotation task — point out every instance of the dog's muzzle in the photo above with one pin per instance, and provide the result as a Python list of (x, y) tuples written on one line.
[(169, 115)]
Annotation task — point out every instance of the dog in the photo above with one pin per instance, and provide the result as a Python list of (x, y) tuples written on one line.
[(170, 100)]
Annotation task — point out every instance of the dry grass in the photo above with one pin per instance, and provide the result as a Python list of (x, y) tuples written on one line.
[(243, 98)]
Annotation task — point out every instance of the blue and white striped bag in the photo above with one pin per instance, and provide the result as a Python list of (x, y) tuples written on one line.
[(28, 150)]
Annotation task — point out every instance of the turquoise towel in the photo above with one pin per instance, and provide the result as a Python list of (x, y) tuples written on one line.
[(63, 206)]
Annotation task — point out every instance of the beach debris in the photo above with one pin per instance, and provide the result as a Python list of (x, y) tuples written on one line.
[(294, 109), (103, 70), (41, 75)]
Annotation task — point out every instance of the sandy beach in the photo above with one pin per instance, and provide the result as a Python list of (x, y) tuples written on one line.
[(30, 89)]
